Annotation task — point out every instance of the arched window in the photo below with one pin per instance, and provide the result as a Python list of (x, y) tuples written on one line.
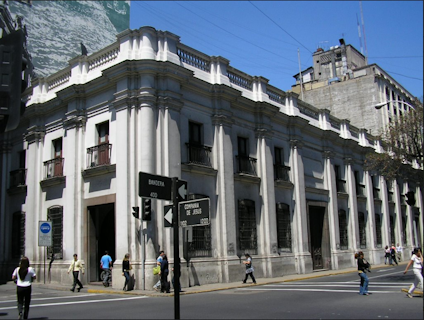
[(378, 230), (18, 234), (284, 227), (247, 227), (55, 215), (343, 230), (362, 230)]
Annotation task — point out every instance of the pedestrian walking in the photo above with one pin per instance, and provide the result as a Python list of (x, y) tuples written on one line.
[(399, 250), (106, 266), (24, 276), (158, 262), (164, 271), (417, 267), (126, 267), (363, 268), (387, 256), (393, 254), (76, 266), (249, 268)]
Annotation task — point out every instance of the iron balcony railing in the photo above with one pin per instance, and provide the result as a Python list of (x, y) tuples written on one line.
[(99, 155), (281, 172), (53, 168), (246, 164), (17, 178), (199, 154)]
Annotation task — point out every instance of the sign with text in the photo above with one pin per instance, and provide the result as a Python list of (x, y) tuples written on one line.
[(44, 233), (154, 186), (194, 212)]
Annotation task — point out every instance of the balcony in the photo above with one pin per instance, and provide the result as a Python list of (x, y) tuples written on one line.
[(281, 172), (341, 186), (98, 161), (199, 154), (53, 172), (246, 165), (17, 181), (99, 155)]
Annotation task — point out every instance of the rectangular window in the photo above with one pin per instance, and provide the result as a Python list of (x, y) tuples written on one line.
[(198, 153), (58, 164), (245, 163), (362, 231), (103, 132), (247, 227), (281, 171), (18, 235), (55, 215), (284, 237), (404, 238), (378, 230), (343, 230), (392, 229), (195, 132)]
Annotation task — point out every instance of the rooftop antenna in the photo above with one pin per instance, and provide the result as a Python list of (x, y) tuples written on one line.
[(359, 33), (321, 46), (363, 31)]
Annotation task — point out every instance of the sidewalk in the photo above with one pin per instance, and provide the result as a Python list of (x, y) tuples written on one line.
[(99, 288)]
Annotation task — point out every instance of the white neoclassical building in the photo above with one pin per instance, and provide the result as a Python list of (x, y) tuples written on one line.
[(285, 180)]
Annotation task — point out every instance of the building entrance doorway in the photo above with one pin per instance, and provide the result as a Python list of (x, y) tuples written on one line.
[(101, 237), (319, 237)]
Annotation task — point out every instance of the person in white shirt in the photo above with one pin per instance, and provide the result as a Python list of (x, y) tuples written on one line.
[(158, 262), (76, 266), (25, 275), (417, 267), (399, 252)]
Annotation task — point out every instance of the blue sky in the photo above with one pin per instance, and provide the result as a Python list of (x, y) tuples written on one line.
[(262, 38)]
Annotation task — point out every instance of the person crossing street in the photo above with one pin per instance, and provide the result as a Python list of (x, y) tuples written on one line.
[(76, 266)]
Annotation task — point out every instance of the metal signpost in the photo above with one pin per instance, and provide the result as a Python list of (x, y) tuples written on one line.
[(165, 188), (44, 239)]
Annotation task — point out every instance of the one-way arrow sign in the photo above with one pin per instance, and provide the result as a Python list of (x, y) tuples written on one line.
[(168, 216), (182, 190)]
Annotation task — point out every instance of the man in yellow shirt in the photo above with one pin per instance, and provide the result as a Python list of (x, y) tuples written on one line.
[(75, 267)]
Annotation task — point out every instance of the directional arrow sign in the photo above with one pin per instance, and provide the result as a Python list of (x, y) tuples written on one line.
[(182, 190), (168, 216)]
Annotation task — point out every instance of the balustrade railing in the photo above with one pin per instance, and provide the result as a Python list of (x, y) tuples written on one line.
[(17, 178), (194, 58), (99, 155), (246, 164), (199, 154), (281, 172), (240, 79), (53, 168)]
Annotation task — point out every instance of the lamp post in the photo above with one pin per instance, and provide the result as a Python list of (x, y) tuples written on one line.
[(382, 104)]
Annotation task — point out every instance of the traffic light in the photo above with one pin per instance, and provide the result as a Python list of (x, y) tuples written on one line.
[(136, 212), (147, 209), (410, 195), (12, 63)]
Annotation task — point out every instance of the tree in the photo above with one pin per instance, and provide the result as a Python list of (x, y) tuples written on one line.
[(403, 144)]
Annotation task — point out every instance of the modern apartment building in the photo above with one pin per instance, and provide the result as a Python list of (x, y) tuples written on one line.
[(285, 179)]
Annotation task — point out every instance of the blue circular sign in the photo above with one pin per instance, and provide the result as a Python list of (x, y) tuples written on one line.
[(45, 228)]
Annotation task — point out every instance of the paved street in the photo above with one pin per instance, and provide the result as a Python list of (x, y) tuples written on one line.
[(331, 297)]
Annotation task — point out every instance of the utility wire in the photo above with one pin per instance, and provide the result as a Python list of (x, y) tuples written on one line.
[(399, 74), (280, 27)]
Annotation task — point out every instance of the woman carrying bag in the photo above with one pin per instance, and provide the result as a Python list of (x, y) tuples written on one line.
[(126, 267), (24, 275)]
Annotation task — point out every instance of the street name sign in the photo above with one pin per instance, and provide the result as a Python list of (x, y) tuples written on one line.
[(154, 186), (194, 212), (44, 233)]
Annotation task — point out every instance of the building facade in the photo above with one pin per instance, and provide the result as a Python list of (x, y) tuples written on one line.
[(342, 82), (285, 179)]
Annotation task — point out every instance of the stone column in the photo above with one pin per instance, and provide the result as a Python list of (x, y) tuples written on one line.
[(398, 211), (300, 217), (386, 238), (5, 161), (226, 209), (268, 221), (330, 184), (371, 235), (353, 205)]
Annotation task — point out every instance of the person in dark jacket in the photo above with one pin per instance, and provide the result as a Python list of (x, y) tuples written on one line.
[(126, 267), (363, 268), (164, 271)]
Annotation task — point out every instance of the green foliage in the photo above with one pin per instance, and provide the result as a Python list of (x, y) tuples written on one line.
[(403, 143)]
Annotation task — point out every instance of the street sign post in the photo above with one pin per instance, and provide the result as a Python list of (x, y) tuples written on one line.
[(194, 212), (154, 186), (44, 233)]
